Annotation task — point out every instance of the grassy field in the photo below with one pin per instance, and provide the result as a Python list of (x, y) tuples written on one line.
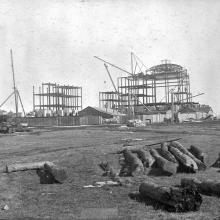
[(79, 151)]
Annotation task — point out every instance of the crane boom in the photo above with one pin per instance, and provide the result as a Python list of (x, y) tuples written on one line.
[(111, 64)]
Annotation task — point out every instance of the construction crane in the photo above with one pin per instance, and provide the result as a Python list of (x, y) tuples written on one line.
[(15, 92)]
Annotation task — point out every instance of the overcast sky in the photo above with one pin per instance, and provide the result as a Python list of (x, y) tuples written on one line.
[(55, 41)]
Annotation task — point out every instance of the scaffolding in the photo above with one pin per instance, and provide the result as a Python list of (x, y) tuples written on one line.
[(152, 89), (55, 97)]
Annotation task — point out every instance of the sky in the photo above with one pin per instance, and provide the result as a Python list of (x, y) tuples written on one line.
[(56, 41)]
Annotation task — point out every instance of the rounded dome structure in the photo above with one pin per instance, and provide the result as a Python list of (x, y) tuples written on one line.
[(167, 70)]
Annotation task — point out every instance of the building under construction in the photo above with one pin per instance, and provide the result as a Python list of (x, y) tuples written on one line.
[(55, 99), (156, 88)]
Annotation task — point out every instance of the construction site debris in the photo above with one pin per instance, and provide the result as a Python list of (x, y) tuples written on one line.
[(186, 162), (207, 187), (103, 183), (58, 173), (166, 166), (167, 155), (144, 156), (174, 198), (27, 166), (132, 166), (177, 145)]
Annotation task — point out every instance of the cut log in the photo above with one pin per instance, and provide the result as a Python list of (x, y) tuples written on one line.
[(217, 162), (177, 145), (58, 173), (133, 165), (176, 199), (207, 187), (144, 156), (27, 166), (198, 153), (167, 155), (187, 162), (166, 166)]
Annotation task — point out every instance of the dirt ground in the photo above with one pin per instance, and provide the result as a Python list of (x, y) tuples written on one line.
[(79, 151)]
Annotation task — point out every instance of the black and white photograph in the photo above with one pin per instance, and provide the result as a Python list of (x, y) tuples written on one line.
[(109, 109)]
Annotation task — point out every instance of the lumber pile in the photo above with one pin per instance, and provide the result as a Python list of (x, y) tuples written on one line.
[(207, 187), (174, 198)]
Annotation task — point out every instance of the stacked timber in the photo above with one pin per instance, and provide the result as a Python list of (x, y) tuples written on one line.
[(207, 187), (175, 199), (165, 165), (177, 145)]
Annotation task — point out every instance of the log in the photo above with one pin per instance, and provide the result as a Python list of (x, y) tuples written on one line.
[(167, 155), (198, 153), (58, 173), (187, 162), (144, 156), (177, 145), (133, 165), (27, 166), (217, 162), (175, 199), (166, 166), (207, 187)]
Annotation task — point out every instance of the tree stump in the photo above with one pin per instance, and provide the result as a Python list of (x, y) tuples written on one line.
[(177, 199)]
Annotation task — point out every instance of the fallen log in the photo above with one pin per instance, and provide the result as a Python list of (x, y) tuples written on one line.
[(207, 187), (27, 166), (198, 153), (177, 145), (166, 166), (58, 173), (144, 156), (167, 155), (175, 199), (133, 165), (217, 162), (188, 164)]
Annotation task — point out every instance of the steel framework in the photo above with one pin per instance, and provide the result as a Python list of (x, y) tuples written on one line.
[(152, 88), (57, 97)]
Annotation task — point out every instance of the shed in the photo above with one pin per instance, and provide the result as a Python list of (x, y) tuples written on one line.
[(94, 115)]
